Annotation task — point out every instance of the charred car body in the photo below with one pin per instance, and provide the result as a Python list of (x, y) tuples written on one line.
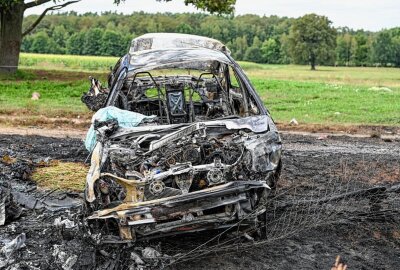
[(206, 156)]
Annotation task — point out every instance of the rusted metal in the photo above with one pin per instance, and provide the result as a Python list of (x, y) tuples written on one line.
[(191, 164)]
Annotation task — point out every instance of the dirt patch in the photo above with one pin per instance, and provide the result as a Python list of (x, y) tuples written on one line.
[(302, 232), (371, 130), (46, 132), (81, 121)]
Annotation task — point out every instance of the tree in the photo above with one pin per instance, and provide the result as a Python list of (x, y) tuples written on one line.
[(60, 36), (12, 15), (360, 50), (212, 6), (383, 48), (343, 49), (312, 39), (112, 43), (27, 43), (40, 43), (93, 40), (285, 51), (271, 51), (396, 50), (184, 28), (224, 28), (253, 53), (75, 43), (239, 47), (353, 47)]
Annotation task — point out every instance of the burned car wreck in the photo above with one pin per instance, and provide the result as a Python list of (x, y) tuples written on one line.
[(203, 152)]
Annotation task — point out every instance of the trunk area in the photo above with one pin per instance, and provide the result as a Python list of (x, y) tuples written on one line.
[(10, 38)]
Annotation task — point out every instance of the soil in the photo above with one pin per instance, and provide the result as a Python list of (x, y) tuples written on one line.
[(30, 122), (27, 120), (372, 130), (60, 132), (77, 128), (310, 221)]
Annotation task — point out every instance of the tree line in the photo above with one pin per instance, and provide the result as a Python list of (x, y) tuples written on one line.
[(261, 39)]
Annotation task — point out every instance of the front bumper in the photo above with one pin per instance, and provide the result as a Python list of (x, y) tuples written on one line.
[(212, 208)]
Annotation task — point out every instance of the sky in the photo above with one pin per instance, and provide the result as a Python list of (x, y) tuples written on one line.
[(372, 15)]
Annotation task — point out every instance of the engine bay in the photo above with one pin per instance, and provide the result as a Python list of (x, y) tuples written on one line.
[(189, 159), (157, 179)]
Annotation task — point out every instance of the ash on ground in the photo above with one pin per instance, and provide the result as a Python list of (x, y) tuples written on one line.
[(338, 196)]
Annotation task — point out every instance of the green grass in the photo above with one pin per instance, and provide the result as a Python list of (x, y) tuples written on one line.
[(366, 76), (330, 95), (56, 98), (324, 103)]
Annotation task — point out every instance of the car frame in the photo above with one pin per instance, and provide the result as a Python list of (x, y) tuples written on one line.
[(246, 141)]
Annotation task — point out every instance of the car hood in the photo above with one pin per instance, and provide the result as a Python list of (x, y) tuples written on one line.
[(256, 124)]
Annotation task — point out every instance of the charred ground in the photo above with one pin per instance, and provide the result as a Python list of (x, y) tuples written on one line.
[(367, 236)]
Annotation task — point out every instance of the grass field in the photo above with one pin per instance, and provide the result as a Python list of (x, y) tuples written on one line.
[(66, 62), (330, 95)]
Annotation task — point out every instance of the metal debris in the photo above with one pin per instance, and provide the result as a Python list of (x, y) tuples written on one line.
[(137, 260), (2, 210), (14, 245), (96, 97), (59, 222), (150, 253), (9, 209), (70, 262)]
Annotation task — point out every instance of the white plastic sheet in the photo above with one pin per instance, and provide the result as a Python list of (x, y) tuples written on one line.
[(125, 119)]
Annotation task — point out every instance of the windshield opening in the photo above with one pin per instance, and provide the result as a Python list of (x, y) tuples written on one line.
[(186, 96)]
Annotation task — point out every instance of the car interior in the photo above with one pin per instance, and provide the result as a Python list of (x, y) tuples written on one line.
[(186, 98)]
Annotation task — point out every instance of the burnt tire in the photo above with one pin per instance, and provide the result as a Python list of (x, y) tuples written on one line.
[(273, 180)]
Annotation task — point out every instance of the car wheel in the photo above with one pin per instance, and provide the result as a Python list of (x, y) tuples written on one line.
[(273, 180)]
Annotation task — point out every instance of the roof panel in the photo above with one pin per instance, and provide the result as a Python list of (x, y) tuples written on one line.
[(159, 41), (187, 58)]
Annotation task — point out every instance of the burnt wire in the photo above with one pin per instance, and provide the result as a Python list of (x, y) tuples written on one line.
[(293, 211)]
